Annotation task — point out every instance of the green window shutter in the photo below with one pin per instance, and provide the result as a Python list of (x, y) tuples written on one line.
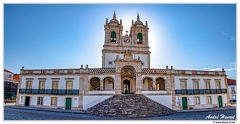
[(139, 36)]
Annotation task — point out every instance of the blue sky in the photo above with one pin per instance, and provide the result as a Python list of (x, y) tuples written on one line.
[(185, 36)]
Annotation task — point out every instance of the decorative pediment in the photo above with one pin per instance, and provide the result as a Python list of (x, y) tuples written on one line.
[(127, 73)]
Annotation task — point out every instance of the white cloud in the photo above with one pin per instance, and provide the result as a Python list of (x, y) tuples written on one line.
[(233, 64), (224, 33), (233, 38), (213, 69), (231, 67)]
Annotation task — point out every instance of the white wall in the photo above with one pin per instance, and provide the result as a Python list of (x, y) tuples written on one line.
[(165, 100), (89, 101), (108, 86), (48, 83), (203, 99), (201, 82), (111, 57), (61, 100), (33, 100), (143, 58)]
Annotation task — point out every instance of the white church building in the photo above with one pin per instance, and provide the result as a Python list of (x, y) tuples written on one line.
[(125, 70)]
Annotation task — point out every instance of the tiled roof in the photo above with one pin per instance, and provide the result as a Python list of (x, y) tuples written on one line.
[(151, 71), (101, 70), (5, 70), (231, 81), (16, 77)]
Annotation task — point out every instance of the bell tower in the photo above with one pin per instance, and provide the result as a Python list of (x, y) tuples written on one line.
[(139, 32), (116, 44), (113, 31)]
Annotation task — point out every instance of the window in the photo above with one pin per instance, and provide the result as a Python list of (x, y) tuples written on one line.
[(110, 62), (208, 86), (234, 97), (21, 100), (69, 85), (53, 100), (41, 85), (218, 84), (55, 85), (113, 36), (197, 100), (209, 100), (195, 85), (183, 85), (233, 90), (29, 85), (40, 101), (139, 38)]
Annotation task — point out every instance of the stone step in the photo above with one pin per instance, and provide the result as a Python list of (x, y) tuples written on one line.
[(130, 105)]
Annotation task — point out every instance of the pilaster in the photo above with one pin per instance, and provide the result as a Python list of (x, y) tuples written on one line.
[(154, 84), (139, 84), (117, 83)]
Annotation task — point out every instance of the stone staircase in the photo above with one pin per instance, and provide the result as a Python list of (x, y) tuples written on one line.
[(130, 105)]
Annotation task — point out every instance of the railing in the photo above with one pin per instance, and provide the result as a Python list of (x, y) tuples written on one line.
[(200, 91), (49, 91)]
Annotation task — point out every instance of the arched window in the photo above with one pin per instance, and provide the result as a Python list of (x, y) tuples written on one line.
[(139, 38), (113, 36), (108, 83), (147, 83), (95, 84)]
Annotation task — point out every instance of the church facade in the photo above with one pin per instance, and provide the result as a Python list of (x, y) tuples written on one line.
[(125, 70)]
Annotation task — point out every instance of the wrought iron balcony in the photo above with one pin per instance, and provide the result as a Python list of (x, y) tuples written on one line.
[(200, 91), (213, 91), (224, 90), (49, 91), (219, 91)]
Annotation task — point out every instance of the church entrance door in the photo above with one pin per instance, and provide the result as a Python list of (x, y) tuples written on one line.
[(126, 86)]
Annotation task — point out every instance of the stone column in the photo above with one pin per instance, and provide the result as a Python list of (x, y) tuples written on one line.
[(172, 89), (226, 86), (154, 84), (138, 83), (80, 101), (18, 87), (83, 89), (117, 83), (101, 84)]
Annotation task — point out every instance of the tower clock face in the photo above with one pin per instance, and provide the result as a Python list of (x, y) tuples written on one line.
[(126, 40)]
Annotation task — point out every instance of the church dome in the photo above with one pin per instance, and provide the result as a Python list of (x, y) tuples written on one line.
[(138, 22), (113, 21)]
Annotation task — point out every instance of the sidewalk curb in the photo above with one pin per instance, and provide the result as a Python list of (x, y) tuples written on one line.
[(50, 110), (206, 109)]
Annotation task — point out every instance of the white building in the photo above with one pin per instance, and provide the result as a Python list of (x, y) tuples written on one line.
[(125, 70), (232, 90)]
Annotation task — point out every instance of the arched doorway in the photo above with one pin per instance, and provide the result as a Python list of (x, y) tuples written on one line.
[(128, 79)]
